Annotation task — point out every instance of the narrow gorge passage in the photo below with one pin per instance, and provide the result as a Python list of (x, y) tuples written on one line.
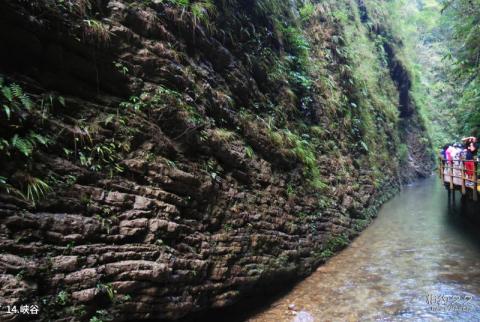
[(416, 249)]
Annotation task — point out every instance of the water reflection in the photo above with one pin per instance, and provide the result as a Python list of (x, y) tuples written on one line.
[(419, 261)]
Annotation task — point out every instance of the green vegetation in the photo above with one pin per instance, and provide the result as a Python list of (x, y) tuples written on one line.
[(340, 73), (63, 298), (18, 144), (223, 135), (13, 99), (96, 31), (306, 12), (249, 152), (403, 153), (300, 148), (161, 97), (441, 37), (24, 144), (334, 244), (200, 12), (101, 316), (160, 101), (102, 155), (464, 51)]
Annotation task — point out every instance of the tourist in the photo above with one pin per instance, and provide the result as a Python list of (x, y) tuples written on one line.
[(456, 155), (469, 163), (448, 163), (471, 139), (449, 152), (443, 151)]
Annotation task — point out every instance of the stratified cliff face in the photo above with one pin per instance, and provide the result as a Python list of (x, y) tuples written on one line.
[(174, 156)]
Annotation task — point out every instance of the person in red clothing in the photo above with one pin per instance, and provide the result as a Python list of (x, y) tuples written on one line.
[(469, 163)]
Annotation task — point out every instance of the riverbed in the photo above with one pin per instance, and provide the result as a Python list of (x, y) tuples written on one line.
[(418, 261)]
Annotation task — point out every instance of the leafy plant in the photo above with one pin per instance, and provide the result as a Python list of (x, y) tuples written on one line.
[(290, 189), (103, 155), (31, 189), (36, 189), (63, 298), (161, 97), (101, 316), (223, 135), (296, 42), (403, 153), (334, 244), (96, 30), (106, 223), (172, 164), (20, 275), (79, 8), (121, 67), (96, 319), (307, 10), (3, 183), (16, 103), (77, 311), (14, 100), (24, 145), (249, 152), (202, 11)]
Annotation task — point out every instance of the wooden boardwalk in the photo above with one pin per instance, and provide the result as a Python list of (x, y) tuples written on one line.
[(459, 175)]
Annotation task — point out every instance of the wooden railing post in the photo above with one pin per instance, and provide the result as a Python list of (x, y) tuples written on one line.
[(475, 181), (441, 169), (451, 175), (462, 168)]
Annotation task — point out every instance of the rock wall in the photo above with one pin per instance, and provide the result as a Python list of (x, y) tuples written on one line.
[(173, 184)]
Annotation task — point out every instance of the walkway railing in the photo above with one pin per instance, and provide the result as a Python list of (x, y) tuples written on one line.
[(460, 174)]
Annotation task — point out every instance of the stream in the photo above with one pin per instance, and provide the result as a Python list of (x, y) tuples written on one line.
[(418, 261)]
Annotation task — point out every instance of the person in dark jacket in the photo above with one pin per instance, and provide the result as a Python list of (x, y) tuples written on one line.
[(469, 163)]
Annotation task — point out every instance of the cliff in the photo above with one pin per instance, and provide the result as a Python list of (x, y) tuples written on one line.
[(160, 158)]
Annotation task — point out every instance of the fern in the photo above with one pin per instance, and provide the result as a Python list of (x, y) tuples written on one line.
[(7, 93), (7, 111), (23, 145), (16, 90), (26, 102), (15, 97), (4, 144), (14, 101), (39, 138), (61, 100)]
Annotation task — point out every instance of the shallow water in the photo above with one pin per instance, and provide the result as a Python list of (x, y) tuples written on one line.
[(417, 250)]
